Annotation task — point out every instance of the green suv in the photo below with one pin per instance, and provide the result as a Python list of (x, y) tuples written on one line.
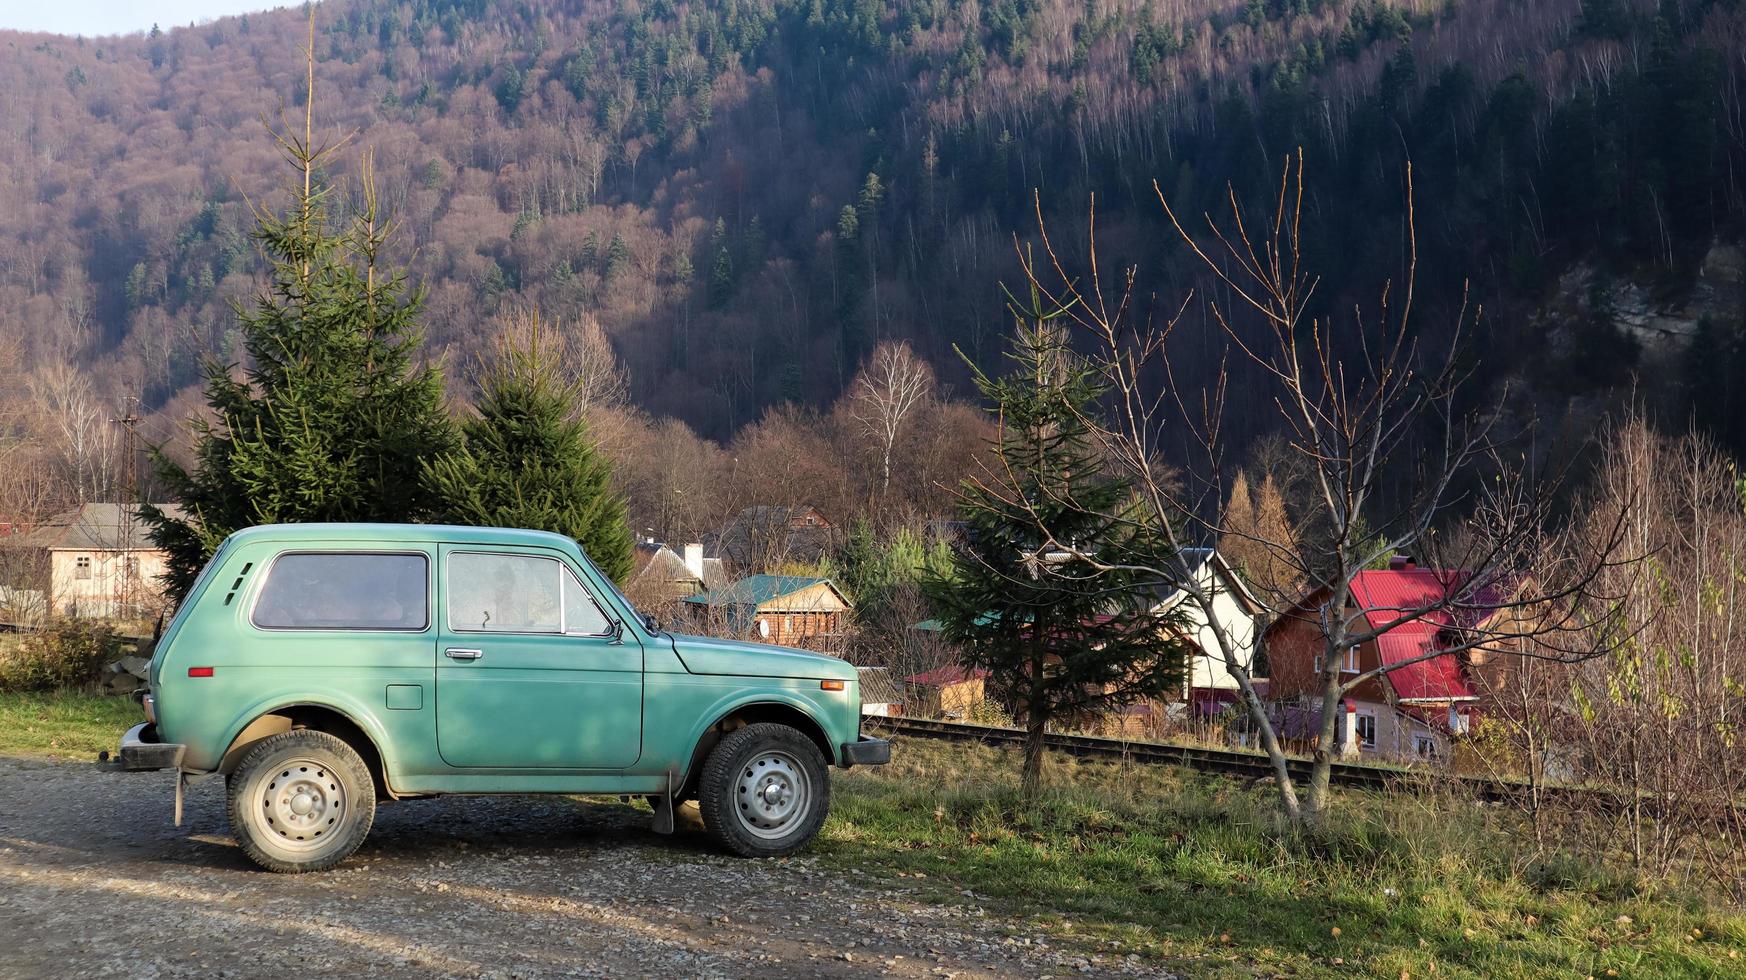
[(323, 667)]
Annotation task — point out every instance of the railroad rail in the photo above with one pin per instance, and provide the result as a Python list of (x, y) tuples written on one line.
[(1229, 762)]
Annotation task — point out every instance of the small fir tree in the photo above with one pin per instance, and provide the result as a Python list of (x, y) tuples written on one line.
[(526, 459), (331, 416), (1037, 593)]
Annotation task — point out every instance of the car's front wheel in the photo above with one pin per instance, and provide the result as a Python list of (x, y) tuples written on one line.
[(301, 801), (765, 791)]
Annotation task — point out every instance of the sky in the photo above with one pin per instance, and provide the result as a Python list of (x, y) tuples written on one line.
[(94, 18)]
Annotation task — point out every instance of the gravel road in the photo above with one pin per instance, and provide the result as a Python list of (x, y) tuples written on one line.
[(94, 882)]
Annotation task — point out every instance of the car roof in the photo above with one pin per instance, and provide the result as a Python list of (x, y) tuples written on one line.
[(401, 534)]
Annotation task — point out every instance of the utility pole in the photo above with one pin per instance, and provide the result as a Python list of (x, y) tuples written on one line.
[(125, 510)]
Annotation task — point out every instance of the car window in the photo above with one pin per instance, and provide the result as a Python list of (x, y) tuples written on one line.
[(339, 590), (581, 614), (505, 593)]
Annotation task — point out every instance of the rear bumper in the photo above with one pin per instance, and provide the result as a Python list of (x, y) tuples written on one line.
[(141, 751), (866, 752)]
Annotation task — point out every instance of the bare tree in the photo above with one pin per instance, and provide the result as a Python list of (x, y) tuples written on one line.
[(891, 386), (1361, 403), (582, 351), (79, 425)]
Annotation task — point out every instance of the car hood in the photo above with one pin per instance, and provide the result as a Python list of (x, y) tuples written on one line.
[(708, 655)]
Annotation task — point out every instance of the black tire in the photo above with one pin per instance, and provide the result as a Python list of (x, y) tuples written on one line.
[(308, 771), (765, 791)]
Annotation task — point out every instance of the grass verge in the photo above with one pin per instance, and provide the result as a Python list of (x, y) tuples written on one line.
[(1195, 870), (64, 724)]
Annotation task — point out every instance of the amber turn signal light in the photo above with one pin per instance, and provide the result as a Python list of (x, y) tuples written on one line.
[(830, 685)]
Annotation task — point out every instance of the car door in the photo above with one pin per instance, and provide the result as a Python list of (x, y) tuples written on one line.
[(531, 672)]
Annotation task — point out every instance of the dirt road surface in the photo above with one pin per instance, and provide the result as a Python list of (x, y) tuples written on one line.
[(95, 882)]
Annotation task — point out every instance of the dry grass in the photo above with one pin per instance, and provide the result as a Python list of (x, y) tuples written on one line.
[(1195, 870)]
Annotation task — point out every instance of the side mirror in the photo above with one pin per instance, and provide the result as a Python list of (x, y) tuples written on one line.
[(651, 623)]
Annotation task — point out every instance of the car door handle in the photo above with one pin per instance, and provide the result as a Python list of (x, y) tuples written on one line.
[(460, 653)]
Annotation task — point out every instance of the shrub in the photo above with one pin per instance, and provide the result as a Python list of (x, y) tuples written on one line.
[(68, 653)]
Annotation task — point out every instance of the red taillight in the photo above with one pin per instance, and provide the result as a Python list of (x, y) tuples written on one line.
[(199, 671)]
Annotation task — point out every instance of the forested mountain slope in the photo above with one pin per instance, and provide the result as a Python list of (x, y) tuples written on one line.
[(750, 193)]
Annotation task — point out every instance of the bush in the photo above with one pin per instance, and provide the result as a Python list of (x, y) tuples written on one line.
[(69, 653)]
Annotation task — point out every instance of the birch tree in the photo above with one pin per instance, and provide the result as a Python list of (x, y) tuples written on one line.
[(891, 387)]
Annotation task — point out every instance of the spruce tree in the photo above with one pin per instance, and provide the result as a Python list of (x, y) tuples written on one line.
[(526, 459), (1040, 592), (330, 416)]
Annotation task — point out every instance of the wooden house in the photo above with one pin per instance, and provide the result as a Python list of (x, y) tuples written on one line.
[(762, 537), (952, 691), (791, 610)]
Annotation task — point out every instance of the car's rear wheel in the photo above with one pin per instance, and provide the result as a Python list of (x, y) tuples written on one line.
[(765, 791), (301, 801)]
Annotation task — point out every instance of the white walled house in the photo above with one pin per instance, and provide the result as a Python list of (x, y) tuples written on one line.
[(95, 561), (1207, 682)]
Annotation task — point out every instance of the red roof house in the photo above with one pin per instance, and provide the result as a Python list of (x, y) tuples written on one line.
[(1411, 712)]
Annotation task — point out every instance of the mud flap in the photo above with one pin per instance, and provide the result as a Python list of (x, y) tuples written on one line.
[(663, 823)]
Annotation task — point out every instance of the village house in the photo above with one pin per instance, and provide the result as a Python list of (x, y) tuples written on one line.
[(790, 610), (1414, 712), (952, 691), (880, 695), (663, 575), (95, 561), (762, 537), (1207, 686), (1207, 683)]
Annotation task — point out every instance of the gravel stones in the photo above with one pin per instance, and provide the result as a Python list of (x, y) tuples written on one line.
[(94, 882)]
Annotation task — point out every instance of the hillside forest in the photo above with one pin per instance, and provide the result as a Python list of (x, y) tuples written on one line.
[(731, 205)]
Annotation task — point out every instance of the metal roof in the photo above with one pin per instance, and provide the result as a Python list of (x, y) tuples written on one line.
[(877, 687), (92, 527), (755, 590), (1436, 679)]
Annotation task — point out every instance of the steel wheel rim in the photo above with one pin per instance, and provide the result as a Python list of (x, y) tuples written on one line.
[(303, 803), (772, 794)]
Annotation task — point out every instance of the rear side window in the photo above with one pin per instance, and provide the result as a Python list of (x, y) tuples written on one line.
[(345, 591)]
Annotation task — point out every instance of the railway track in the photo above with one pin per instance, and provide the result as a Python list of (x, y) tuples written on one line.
[(1245, 765)]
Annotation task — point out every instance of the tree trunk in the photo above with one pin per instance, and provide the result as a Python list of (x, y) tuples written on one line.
[(1327, 744), (1036, 722), (1033, 772)]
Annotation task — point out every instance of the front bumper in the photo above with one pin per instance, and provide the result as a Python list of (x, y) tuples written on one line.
[(866, 752), (141, 751)]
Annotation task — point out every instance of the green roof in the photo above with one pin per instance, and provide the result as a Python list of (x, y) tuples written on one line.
[(755, 590)]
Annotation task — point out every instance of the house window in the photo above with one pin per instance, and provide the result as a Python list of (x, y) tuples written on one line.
[(1351, 665), (82, 567), (1425, 747), (1367, 731)]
